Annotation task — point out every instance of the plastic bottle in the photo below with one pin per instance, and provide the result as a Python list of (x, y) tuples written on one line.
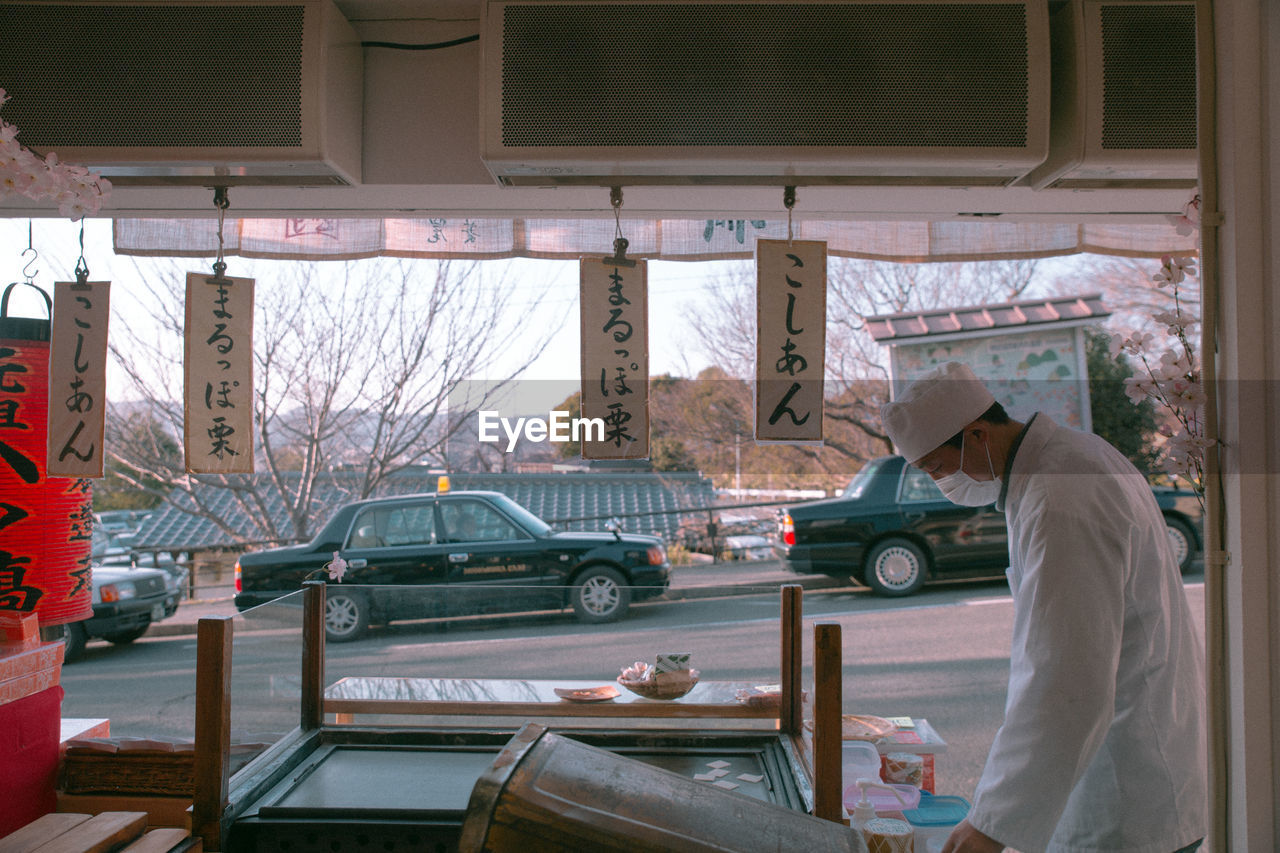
[(863, 811)]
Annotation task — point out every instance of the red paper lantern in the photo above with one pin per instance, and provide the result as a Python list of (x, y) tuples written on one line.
[(46, 523)]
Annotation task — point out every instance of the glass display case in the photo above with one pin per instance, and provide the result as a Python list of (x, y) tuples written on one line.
[(394, 738)]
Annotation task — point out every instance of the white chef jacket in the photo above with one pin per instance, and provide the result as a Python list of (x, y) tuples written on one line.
[(1103, 742)]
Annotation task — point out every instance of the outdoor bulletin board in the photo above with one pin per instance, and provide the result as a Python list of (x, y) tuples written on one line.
[(1038, 370)]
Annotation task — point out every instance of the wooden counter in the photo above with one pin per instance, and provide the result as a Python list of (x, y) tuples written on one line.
[(529, 698)]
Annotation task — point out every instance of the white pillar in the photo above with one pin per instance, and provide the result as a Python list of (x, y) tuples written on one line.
[(1247, 48)]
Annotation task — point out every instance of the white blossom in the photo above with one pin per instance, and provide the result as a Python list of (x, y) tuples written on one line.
[(1174, 270), (1173, 365), (1186, 393), (1137, 342), (1187, 222), (1138, 388)]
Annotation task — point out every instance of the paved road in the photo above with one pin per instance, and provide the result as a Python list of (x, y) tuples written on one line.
[(942, 655)]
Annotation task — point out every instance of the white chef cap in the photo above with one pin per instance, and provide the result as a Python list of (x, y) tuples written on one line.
[(933, 408)]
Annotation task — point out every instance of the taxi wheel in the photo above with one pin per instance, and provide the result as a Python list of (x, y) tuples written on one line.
[(600, 595), (346, 616), (896, 567), (75, 636), (1183, 542)]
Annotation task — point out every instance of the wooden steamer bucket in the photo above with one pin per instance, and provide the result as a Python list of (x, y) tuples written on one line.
[(545, 792)]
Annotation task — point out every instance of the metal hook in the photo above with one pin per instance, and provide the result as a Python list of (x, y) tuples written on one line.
[(789, 202), (620, 243), (82, 267), (221, 202), (615, 201), (28, 273)]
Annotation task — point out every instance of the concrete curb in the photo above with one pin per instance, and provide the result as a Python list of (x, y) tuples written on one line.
[(183, 623)]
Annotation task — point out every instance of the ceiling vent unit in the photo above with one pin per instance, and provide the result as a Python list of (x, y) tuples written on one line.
[(1124, 96), (260, 92), (607, 92)]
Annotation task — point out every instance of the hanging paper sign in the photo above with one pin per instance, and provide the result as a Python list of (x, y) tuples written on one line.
[(615, 359), (219, 373), (78, 378), (791, 339), (46, 523)]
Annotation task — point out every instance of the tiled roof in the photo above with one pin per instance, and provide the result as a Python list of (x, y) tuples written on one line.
[(981, 318), (555, 497)]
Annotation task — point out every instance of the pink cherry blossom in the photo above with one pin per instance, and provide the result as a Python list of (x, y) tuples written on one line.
[(1138, 388), (336, 568), (1188, 222), (1174, 365)]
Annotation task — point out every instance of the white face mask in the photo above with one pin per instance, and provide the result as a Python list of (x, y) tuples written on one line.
[(962, 489)]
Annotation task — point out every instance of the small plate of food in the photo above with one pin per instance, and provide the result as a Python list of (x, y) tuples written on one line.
[(588, 694)]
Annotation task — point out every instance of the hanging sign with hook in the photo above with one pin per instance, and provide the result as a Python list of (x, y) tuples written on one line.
[(218, 423), (615, 351), (791, 339), (219, 375), (78, 374), (78, 377)]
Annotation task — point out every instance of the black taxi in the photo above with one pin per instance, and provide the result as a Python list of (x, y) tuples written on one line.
[(452, 554)]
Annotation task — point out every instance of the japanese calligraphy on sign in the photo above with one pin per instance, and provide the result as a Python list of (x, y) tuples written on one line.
[(791, 339), (615, 359), (219, 375), (78, 378), (328, 228)]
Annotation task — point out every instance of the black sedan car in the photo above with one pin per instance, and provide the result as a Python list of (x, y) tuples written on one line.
[(893, 529), (463, 553)]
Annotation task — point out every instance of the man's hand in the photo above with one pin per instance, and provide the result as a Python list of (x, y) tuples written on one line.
[(965, 839)]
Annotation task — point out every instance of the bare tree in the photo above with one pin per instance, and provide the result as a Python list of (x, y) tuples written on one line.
[(364, 367), (1129, 292)]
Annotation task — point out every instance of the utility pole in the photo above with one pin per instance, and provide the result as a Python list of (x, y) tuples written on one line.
[(737, 466)]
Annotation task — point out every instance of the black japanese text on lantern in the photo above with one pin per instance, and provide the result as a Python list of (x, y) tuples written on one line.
[(45, 522), (15, 594)]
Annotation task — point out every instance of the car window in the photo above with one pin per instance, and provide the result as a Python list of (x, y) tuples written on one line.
[(919, 486), (476, 521), (382, 527), (523, 518), (863, 478)]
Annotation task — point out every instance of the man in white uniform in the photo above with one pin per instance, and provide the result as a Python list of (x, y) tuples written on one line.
[(1103, 742)]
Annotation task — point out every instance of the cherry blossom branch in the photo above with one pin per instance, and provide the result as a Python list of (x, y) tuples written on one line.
[(1173, 381)]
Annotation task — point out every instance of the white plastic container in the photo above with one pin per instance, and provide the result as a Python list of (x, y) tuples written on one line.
[(858, 760)]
